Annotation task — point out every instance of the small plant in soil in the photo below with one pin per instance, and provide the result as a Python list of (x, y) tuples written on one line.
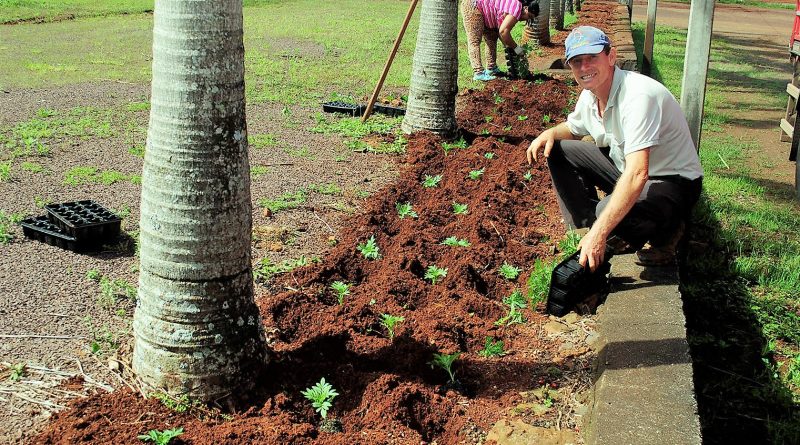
[(321, 396), (342, 289), (507, 128), (404, 209), (431, 181), (179, 404), (488, 119), (489, 155), (160, 437), (522, 117), (390, 322), (528, 175), (492, 348), (569, 244), (456, 242), (445, 361), (449, 146), (546, 119), (485, 132), (509, 272), (459, 209), (370, 249), (539, 282), (497, 98), (515, 302), (475, 174), (18, 371), (435, 273), (5, 171)]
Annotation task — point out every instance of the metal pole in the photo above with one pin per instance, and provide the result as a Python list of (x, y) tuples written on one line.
[(649, 37), (695, 65)]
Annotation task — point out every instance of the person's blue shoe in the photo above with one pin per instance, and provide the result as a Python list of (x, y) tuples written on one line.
[(495, 72), (483, 77)]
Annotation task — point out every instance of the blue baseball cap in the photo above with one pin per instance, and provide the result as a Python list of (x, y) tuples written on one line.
[(585, 40)]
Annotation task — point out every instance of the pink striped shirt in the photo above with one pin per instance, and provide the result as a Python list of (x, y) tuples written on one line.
[(494, 11)]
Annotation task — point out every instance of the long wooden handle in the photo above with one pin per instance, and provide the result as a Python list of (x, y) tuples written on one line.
[(397, 41)]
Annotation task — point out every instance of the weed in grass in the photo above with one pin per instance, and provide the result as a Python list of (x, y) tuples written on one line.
[(302, 152), (321, 396), (286, 201), (342, 289), (370, 249), (265, 269), (435, 273), (492, 348), (509, 272), (258, 170), (455, 242), (102, 339), (137, 150), (18, 371), (329, 189), (445, 361), (88, 175), (94, 275), (160, 437), (179, 404), (5, 171), (40, 202), (138, 106), (475, 174), (32, 167), (389, 322), (263, 140), (515, 302), (539, 281), (45, 112), (459, 209), (431, 181), (111, 289), (449, 146), (404, 209), (6, 221)]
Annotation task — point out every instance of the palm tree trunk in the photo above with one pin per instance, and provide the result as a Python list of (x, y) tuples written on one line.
[(197, 329), (434, 74), (538, 30), (557, 14)]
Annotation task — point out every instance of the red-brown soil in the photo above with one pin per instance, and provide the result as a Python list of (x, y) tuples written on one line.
[(389, 393)]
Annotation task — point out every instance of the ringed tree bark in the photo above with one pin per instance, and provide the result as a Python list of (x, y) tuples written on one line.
[(197, 329), (557, 14), (538, 29), (434, 73)]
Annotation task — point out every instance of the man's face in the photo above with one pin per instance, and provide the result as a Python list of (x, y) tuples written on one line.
[(593, 71)]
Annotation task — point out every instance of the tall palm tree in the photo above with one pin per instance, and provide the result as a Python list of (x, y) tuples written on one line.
[(538, 29), (196, 327), (434, 73), (557, 14)]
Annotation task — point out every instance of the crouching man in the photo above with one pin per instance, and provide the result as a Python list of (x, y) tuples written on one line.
[(642, 157)]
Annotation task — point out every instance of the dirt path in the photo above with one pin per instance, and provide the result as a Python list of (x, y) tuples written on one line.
[(762, 36)]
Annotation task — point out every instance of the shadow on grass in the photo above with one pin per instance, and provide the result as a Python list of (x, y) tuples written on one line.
[(739, 398)]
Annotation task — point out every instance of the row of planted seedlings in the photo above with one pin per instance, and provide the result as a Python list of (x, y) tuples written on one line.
[(443, 270)]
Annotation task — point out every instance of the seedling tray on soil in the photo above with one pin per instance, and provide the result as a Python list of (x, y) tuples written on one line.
[(343, 107), (570, 283), (86, 221), (41, 229)]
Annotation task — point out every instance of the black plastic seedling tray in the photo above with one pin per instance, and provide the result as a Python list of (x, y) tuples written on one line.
[(86, 221), (41, 229), (570, 283), (343, 107), (389, 110)]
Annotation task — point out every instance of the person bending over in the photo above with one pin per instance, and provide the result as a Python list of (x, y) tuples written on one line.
[(642, 157), (490, 19)]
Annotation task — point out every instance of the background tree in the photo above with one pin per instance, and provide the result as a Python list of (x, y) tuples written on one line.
[(434, 73), (197, 329), (538, 29), (557, 14)]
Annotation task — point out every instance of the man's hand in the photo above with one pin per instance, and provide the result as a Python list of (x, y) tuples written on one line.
[(546, 139), (593, 249)]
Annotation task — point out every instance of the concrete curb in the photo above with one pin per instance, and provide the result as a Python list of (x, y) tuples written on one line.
[(644, 391)]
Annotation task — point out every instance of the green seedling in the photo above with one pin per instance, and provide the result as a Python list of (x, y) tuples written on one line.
[(329, 189), (94, 275), (497, 98), (522, 117), (488, 119), (18, 371), (445, 361), (476, 174), (321, 396), (265, 269), (528, 175), (492, 348), (455, 242), (485, 132), (507, 128), (342, 289), (509, 272), (160, 437), (489, 155), (449, 146), (286, 201), (546, 119), (370, 249), (434, 273), (179, 404), (405, 209), (389, 322), (515, 302), (539, 281), (459, 209), (5, 171), (431, 181)]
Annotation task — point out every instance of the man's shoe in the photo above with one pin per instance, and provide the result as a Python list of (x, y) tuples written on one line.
[(495, 72), (483, 77), (618, 246), (662, 254)]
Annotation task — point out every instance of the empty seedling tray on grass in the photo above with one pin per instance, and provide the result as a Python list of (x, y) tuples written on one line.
[(344, 107), (86, 220)]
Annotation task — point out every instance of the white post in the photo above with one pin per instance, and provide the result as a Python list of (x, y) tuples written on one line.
[(649, 37), (695, 65)]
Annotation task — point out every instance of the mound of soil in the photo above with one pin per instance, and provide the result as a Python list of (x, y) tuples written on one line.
[(389, 392)]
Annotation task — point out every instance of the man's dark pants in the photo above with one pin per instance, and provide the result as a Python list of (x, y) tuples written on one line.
[(577, 167)]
